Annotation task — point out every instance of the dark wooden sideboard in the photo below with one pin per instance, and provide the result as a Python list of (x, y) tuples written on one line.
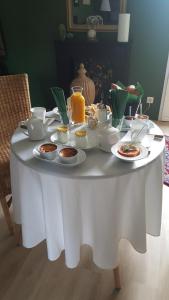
[(105, 62)]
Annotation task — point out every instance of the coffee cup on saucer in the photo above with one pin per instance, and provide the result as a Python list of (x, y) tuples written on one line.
[(62, 134)]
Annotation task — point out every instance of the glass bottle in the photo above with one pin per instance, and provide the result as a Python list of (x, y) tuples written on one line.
[(78, 105)]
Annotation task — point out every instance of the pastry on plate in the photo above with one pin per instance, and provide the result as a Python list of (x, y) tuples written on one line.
[(91, 109), (129, 150)]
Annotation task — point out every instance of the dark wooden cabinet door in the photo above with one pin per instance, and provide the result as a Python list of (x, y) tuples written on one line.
[(105, 62)]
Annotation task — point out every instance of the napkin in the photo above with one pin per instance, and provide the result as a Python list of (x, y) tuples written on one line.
[(120, 96), (117, 101), (134, 91), (59, 97), (135, 95)]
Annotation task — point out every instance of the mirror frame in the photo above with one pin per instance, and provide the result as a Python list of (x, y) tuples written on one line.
[(101, 27)]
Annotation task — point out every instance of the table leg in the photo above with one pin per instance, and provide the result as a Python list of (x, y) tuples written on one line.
[(117, 278), (7, 215), (18, 234)]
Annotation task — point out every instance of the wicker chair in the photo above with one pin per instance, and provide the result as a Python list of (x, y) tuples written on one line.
[(14, 107)]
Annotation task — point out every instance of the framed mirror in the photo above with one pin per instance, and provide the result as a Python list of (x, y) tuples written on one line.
[(99, 14)]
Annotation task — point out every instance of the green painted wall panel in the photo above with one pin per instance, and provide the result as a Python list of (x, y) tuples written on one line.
[(30, 28), (150, 46)]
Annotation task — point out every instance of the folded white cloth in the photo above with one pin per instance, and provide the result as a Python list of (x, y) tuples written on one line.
[(53, 114)]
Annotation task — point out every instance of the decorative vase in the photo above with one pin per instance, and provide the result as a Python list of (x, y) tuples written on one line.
[(86, 83), (91, 34)]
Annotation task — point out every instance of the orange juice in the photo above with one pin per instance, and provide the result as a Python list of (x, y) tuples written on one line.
[(78, 105)]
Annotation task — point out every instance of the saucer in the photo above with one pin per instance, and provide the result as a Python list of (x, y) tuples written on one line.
[(72, 143), (56, 161)]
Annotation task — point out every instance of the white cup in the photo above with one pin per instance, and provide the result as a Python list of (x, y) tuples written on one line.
[(39, 113), (62, 135)]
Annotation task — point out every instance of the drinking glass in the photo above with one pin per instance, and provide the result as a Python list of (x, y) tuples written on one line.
[(118, 123), (138, 130)]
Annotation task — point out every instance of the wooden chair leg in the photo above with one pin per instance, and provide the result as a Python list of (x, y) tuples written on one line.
[(7, 215), (18, 234), (117, 278)]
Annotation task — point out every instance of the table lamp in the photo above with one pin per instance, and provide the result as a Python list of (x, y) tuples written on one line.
[(105, 5)]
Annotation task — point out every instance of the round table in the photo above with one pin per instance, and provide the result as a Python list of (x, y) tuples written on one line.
[(97, 203)]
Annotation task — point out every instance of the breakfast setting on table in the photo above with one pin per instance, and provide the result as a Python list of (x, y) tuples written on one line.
[(71, 129), (83, 175)]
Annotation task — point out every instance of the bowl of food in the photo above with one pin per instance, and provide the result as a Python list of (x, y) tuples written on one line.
[(142, 117), (48, 150), (68, 155)]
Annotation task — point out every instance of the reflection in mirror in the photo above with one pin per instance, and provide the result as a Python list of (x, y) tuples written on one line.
[(103, 14)]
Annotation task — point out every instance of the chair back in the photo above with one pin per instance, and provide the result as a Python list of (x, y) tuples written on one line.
[(15, 104)]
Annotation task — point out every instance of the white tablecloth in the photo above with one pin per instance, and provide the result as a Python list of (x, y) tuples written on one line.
[(97, 203)]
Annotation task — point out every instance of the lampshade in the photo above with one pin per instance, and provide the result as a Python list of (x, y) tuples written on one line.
[(105, 5)]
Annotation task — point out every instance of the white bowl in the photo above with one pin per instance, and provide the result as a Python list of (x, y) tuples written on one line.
[(68, 155), (48, 150), (142, 117), (128, 120)]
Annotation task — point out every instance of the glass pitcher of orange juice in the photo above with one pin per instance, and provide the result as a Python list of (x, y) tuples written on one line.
[(78, 105)]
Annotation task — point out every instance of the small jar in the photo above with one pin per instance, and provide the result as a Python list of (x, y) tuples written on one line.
[(62, 134), (81, 138)]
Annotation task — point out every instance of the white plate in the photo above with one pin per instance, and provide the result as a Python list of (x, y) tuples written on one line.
[(80, 158), (143, 152), (72, 143)]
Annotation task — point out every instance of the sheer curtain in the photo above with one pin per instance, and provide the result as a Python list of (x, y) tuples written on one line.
[(164, 108)]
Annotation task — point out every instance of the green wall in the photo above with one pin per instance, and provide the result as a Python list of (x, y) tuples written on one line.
[(30, 28), (150, 46)]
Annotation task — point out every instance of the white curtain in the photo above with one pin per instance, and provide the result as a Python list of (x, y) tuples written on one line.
[(164, 108)]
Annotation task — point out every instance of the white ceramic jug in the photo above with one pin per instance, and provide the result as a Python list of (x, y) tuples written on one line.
[(39, 112), (37, 130)]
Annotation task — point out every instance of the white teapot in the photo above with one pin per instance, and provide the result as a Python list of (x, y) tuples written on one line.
[(37, 129), (108, 136)]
